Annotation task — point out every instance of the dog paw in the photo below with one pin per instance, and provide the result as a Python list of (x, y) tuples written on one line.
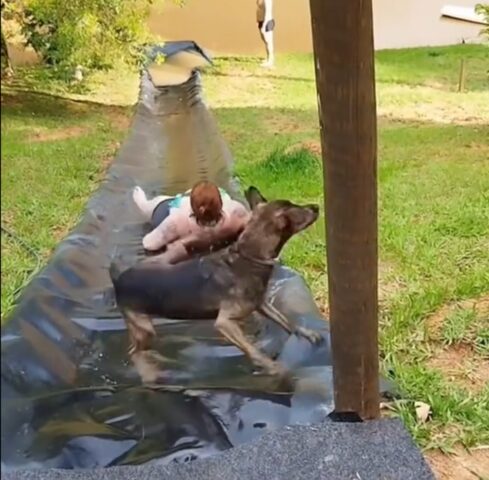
[(267, 366), (310, 335), (149, 365), (276, 369)]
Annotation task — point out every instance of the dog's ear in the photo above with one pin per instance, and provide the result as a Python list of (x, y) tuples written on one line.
[(254, 197)]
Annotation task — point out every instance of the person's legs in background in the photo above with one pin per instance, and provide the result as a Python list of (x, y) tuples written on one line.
[(266, 33), (266, 25)]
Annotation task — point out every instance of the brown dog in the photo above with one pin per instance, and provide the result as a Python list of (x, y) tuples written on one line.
[(227, 285)]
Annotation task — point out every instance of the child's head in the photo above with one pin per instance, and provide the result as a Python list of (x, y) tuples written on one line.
[(206, 203)]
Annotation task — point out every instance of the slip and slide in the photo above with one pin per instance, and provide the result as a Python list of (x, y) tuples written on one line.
[(71, 399)]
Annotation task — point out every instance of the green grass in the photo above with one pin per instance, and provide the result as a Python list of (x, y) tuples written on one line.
[(433, 201), (54, 153), (434, 67), (457, 326), (433, 197), (466, 326)]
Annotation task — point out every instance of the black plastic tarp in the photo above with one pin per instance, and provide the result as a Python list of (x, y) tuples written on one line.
[(70, 396)]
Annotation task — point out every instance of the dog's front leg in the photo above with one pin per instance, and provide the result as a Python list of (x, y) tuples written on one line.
[(227, 325), (141, 330), (271, 312)]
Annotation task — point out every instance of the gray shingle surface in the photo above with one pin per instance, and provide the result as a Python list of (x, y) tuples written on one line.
[(377, 450)]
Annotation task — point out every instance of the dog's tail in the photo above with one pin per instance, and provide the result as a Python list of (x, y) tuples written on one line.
[(115, 272), (115, 269)]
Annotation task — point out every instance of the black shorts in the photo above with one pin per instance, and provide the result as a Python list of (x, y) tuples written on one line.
[(268, 27), (161, 211)]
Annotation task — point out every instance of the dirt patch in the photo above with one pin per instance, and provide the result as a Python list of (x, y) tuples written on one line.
[(462, 465), (435, 321), (241, 91), (323, 307), (312, 146), (284, 123), (461, 365), (390, 284), (7, 217), (119, 118), (478, 146), (422, 104), (41, 135), (108, 157), (9, 100), (60, 232)]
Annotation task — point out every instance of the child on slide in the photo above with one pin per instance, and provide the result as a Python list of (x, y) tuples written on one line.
[(197, 219)]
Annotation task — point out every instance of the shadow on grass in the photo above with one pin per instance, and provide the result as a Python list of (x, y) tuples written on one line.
[(18, 102), (265, 76)]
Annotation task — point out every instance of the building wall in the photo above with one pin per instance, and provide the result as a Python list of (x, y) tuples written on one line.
[(228, 26)]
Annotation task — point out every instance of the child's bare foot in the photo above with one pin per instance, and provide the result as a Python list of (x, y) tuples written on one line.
[(152, 241), (139, 197)]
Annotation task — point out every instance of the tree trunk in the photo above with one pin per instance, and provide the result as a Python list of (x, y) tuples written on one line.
[(344, 60), (6, 62)]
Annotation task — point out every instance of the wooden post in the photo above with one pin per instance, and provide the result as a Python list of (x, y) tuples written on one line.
[(344, 59), (461, 76)]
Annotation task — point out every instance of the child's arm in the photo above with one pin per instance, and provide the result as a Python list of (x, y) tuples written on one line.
[(238, 215), (165, 233), (173, 254), (210, 240)]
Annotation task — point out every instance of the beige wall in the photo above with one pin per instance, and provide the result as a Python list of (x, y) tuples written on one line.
[(228, 26), (416, 23)]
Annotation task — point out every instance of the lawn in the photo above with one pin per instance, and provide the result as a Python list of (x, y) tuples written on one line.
[(434, 212), (54, 154), (433, 193)]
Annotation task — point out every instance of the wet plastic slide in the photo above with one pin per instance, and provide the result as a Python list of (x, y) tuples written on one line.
[(70, 396)]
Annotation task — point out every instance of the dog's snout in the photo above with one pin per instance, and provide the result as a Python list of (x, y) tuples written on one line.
[(314, 208)]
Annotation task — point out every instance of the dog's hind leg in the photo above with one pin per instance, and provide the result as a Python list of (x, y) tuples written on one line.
[(227, 325), (141, 331), (149, 365), (278, 317)]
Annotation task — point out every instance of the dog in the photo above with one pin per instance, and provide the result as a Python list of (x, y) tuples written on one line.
[(227, 285)]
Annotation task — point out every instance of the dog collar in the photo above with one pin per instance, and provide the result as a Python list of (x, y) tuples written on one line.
[(257, 261)]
